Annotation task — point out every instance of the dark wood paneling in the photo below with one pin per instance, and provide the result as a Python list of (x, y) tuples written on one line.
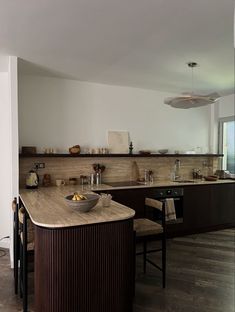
[(206, 207), (223, 203), (197, 206), (84, 269)]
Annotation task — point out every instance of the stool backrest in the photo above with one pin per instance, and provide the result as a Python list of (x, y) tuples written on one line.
[(21, 214)]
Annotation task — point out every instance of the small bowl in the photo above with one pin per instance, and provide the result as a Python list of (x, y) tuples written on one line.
[(163, 151), (145, 152), (211, 178), (83, 205)]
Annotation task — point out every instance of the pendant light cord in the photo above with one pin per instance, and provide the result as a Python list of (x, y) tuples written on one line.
[(192, 82), (192, 65)]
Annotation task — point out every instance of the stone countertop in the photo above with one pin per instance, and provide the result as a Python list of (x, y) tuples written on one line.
[(47, 208), (166, 183)]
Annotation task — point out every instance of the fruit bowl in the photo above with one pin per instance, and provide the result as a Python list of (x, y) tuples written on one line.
[(83, 205), (163, 151), (211, 178)]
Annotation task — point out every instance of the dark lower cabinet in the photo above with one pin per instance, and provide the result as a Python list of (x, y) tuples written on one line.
[(197, 207), (205, 207), (133, 198), (223, 203), (209, 207)]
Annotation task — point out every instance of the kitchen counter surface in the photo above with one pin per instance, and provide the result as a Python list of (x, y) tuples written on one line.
[(166, 183), (48, 208)]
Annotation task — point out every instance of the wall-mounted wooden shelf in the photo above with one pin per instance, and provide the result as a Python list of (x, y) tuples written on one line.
[(119, 155)]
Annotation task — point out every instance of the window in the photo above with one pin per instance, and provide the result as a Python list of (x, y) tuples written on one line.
[(226, 142)]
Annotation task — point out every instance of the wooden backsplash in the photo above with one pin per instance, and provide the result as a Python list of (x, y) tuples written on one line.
[(117, 168)]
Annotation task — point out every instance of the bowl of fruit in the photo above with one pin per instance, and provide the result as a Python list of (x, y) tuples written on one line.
[(82, 202)]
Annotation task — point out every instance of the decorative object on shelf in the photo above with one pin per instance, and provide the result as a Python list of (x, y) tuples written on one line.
[(144, 152), (130, 148), (187, 100), (46, 181), (73, 181), (75, 150), (28, 150), (49, 150), (118, 142), (82, 202), (163, 151), (104, 150)]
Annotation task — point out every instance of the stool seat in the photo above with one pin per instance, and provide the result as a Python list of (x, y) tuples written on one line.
[(149, 230), (145, 227)]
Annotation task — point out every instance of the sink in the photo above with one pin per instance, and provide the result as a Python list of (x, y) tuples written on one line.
[(184, 181), (125, 183)]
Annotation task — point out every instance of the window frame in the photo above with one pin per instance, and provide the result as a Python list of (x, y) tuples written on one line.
[(221, 136)]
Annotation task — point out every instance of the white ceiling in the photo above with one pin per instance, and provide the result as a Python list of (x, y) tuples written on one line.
[(139, 43)]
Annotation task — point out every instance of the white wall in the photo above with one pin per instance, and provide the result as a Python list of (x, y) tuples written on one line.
[(5, 159), (226, 106), (61, 113)]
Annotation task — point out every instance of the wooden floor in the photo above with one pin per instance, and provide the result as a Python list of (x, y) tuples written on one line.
[(200, 277)]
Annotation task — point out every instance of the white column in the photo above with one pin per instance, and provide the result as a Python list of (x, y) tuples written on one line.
[(13, 90), (5, 157)]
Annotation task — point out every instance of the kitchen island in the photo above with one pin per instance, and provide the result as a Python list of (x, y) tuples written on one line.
[(83, 261)]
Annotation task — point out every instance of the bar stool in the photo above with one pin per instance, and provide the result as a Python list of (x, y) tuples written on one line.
[(147, 230), (26, 248)]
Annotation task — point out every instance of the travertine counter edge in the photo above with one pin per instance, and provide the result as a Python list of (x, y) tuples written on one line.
[(47, 208)]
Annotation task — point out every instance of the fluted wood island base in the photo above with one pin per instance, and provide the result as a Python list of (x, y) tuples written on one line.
[(83, 268), (86, 268)]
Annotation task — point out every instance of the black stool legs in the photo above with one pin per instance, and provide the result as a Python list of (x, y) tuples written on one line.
[(144, 255), (164, 261)]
